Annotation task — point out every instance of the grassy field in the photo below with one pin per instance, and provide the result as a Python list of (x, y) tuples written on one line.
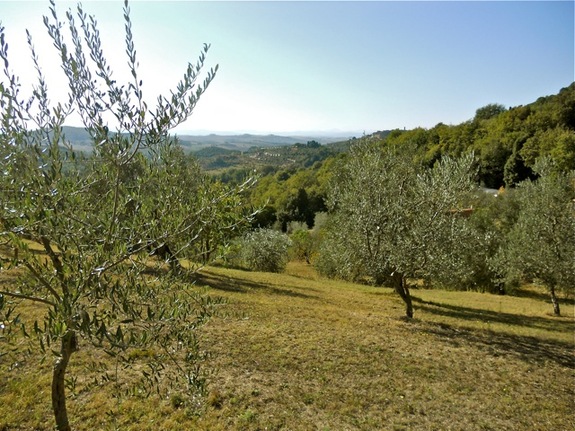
[(296, 352)]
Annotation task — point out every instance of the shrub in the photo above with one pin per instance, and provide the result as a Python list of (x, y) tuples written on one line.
[(265, 250), (304, 245)]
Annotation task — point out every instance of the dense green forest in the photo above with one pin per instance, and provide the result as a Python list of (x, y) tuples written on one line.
[(507, 142)]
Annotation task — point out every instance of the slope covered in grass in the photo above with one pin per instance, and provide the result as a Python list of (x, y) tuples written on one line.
[(295, 352)]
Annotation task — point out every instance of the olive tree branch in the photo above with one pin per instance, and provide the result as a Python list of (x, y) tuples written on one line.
[(28, 297)]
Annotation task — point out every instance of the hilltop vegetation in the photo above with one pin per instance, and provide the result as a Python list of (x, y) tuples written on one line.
[(507, 142)]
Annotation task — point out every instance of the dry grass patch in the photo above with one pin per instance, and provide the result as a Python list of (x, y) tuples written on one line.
[(314, 354), (296, 352)]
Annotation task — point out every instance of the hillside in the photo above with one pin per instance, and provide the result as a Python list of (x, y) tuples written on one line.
[(329, 355), (217, 152), (295, 352), (79, 137), (246, 141), (506, 142)]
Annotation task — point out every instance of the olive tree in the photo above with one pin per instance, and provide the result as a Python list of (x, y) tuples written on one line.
[(541, 243), (264, 250), (78, 231), (392, 220)]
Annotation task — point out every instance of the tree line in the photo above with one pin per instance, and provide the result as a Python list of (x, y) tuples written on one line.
[(507, 142), (395, 222)]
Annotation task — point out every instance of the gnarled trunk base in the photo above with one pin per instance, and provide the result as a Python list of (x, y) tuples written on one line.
[(555, 302), (401, 288)]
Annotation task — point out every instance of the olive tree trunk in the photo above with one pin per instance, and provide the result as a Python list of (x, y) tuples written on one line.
[(69, 346), (554, 301), (403, 290)]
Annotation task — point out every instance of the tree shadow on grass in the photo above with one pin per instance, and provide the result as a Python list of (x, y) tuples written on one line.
[(552, 324), (526, 348), (542, 296), (229, 284)]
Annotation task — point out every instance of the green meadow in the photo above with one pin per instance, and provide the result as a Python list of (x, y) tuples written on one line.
[(294, 351)]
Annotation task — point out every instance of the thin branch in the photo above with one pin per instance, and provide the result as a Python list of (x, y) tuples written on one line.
[(43, 281), (28, 297), (53, 257)]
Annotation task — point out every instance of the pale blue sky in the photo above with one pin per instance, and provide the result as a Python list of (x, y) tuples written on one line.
[(323, 66)]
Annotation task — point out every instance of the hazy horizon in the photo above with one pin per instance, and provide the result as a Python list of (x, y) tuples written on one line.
[(311, 67)]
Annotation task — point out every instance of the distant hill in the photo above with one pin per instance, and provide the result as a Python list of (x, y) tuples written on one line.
[(216, 152), (80, 139), (247, 141)]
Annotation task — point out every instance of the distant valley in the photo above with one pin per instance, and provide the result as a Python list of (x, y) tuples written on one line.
[(81, 141), (247, 141), (248, 151)]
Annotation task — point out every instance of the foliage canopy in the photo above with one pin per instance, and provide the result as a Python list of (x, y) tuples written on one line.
[(541, 244), (393, 220)]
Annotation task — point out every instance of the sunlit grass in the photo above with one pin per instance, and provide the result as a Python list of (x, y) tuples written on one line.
[(294, 351)]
